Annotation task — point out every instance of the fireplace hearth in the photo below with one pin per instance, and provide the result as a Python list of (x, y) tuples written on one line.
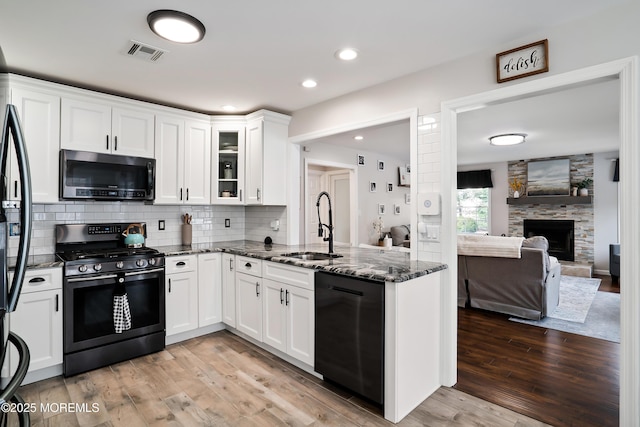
[(559, 233)]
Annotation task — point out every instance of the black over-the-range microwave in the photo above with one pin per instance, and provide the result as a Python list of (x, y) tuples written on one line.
[(86, 175)]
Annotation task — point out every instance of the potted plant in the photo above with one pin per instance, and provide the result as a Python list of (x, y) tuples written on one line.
[(583, 186), (377, 226), (516, 186)]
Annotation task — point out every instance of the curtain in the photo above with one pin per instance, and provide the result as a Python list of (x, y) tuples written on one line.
[(475, 179)]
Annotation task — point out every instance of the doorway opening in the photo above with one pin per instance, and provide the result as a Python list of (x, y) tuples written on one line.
[(339, 181), (626, 71)]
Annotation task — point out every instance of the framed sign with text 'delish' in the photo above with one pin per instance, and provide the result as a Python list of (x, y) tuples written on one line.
[(523, 61)]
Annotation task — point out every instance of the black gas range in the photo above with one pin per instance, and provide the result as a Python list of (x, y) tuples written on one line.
[(99, 248), (113, 296)]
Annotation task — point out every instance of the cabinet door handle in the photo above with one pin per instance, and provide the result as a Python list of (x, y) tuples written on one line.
[(187, 194), (180, 264), (169, 285), (240, 195), (248, 265), (15, 189), (286, 300), (107, 142), (258, 289), (37, 280), (281, 295), (230, 264), (181, 194), (57, 303), (258, 194), (115, 143)]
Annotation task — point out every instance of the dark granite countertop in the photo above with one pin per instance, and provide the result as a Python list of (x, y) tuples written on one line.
[(38, 261), (372, 264)]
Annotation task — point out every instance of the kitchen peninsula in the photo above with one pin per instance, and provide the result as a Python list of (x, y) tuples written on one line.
[(411, 307)]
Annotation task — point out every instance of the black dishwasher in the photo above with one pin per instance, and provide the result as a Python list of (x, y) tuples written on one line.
[(349, 333)]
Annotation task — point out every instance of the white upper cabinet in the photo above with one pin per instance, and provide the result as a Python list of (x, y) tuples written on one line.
[(266, 157), (183, 156), (39, 113), (227, 165), (197, 168), (101, 127)]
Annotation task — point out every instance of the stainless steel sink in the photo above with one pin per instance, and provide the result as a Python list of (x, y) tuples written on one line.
[(311, 256)]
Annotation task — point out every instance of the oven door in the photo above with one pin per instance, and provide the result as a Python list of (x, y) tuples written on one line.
[(89, 302)]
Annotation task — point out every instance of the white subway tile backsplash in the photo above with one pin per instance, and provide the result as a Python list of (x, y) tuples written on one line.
[(208, 222), (429, 180)]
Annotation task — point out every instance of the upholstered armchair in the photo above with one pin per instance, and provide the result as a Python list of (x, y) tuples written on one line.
[(614, 262)]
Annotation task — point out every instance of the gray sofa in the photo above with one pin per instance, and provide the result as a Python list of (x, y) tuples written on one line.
[(526, 287), (614, 262)]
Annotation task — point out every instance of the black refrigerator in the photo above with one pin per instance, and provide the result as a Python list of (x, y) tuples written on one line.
[(10, 292)]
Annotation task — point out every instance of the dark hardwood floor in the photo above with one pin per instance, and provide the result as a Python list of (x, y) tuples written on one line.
[(556, 377)]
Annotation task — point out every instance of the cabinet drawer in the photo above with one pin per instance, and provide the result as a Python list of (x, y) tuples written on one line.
[(41, 279), (181, 264), (282, 273), (248, 265)]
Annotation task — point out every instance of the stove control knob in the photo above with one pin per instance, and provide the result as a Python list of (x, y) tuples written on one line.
[(97, 267), (141, 263), (82, 269), (152, 261), (119, 264)]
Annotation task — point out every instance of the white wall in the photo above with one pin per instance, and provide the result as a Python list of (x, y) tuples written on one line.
[(610, 35), (368, 201), (605, 205)]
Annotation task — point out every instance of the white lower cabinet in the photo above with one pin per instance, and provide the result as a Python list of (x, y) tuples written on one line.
[(209, 289), (229, 290), (274, 315), (249, 305), (181, 292), (38, 318), (300, 324), (288, 310)]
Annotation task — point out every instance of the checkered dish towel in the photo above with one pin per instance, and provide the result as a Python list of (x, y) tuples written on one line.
[(121, 312)]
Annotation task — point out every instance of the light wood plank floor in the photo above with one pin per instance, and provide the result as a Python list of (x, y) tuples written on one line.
[(222, 380)]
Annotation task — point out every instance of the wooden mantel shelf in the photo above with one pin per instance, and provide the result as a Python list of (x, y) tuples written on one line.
[(551, 200)]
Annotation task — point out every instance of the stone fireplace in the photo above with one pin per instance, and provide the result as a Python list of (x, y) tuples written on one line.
[(582, 215)]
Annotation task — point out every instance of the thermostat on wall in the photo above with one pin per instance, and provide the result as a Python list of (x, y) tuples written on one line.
[(428, 204)]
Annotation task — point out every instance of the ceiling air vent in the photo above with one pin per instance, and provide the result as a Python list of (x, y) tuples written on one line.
[(144, 51)]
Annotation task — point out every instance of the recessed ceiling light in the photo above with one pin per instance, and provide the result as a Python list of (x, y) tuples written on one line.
[(358, 137), (176, 26), (347, 54), (309, 83), (507, 139), (229, 108)]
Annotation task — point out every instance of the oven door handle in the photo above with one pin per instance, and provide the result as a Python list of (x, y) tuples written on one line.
[(86, 279), (134, 273)]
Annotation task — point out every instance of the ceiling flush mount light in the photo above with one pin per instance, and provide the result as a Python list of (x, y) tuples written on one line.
[(176, 26), (229, 108), (347, 54), (507, 139), (309, 83)]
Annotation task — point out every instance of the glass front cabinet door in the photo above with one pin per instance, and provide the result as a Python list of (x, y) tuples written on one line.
[(228, 163)]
